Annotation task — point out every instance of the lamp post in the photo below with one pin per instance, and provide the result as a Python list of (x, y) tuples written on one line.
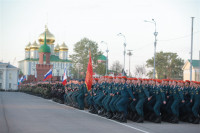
[(120, 34), (155, 43), (106, 57), (191, 49), (129, 54)]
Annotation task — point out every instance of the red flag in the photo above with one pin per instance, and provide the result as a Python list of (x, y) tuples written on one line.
[(88, 78)]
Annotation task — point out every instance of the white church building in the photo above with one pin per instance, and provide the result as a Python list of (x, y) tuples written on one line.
[(59, 56)]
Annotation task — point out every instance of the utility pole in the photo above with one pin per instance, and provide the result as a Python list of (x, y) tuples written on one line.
[(199, 65), (155, 43), (106, 57), (129, 54), (191, 49), (120, 34)]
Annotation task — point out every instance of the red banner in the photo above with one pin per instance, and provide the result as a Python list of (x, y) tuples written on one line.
[(89, 78)]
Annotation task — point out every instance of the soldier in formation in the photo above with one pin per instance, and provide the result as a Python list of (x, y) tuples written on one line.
[(122, 98)]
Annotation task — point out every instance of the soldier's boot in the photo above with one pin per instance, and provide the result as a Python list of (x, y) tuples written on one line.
[(123, 119), (152, 117), (170, 119), (92, 109), (104, 114), (140, 120), (175, 119), (196, 121), (184, 118), (190, 118), (146, 117), (118, 115), (130, 115), (109, 115), (136, 117), (158, 119), (101, 111), (114, 116)]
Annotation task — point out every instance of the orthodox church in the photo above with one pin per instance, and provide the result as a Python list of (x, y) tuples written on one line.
[(58, 56)]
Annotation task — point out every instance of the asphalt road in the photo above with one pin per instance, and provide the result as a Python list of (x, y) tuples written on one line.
[(23, 113)]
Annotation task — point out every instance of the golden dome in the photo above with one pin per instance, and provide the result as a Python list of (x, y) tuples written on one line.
[(34, 46), (63, 47), (49, 37), (57, 48), (27, 48)]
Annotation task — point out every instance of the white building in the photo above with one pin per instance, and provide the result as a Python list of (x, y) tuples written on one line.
[(8, 76), (195, 70), (59, 56)]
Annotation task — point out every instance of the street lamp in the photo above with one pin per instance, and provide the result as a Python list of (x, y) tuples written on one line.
[(106, 57), (155, 43), (129, 54), (120, 34)]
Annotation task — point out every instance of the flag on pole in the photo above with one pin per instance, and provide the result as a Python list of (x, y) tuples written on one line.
[(24, 78), (20, 80), (48, 75), (89, 78), (64, 80)]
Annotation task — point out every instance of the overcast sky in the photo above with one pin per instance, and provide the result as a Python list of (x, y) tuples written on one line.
[(22, 21)]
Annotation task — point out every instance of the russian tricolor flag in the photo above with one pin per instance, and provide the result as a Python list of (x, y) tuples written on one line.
[(64, 80), (48, 75)]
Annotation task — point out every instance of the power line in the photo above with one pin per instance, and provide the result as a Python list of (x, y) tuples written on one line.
[(179, 37)]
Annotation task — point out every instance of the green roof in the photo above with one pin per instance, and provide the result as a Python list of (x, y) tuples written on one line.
[(102, 57), (53, 58), (44, 48), (195, 63)]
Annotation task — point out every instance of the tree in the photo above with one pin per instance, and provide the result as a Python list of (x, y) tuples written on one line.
[(80, 57), (140, 71), (116, 67), (101, 69), (168, 65)]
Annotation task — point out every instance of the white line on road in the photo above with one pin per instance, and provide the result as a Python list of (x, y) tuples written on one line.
[(115, 122), (102, 117)]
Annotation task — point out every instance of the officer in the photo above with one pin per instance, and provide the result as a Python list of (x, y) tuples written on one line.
[(133, 103), (109, 95), (150, 114), (196, 100), (160, 97), (122, 104), (178, 97), (118, 97), (101, 96), (81, 95), (142, 94)]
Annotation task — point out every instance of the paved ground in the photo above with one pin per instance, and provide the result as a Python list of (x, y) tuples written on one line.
[(23, 113)]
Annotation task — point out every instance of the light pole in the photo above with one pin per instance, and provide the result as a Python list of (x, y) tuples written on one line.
[(106, 57), (191, 49), (155, 43), (129, 54), (120, 34)]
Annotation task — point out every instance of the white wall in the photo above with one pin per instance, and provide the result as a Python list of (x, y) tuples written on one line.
[(13, 80)]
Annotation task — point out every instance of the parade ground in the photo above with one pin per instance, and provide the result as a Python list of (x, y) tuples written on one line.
[(24, 113)]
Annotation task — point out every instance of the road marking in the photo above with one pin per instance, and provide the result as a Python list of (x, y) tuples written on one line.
[(115, 122), (84, 111)]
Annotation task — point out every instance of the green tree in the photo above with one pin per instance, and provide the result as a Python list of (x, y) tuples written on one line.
[(100, 69), (168, 65), (80, 57)]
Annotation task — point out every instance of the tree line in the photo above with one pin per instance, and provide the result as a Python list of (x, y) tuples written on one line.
[(168, 64)]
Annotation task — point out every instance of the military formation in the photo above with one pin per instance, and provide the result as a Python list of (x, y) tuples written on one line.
[(122, 98)]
